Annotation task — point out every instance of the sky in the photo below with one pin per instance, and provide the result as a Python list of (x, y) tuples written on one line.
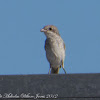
[(22, 44)]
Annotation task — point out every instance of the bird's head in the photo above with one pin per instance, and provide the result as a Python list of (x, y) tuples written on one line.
[(50, 30)]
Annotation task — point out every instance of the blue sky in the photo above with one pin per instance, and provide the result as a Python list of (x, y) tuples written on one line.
[(22, 43)]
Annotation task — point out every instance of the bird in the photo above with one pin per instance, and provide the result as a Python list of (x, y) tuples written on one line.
[(55, 48)]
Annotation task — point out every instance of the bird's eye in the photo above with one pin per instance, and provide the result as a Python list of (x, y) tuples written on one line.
[(50, 28)]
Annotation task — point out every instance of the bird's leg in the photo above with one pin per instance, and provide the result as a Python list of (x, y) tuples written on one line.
[(64, 70), (49, 71), (63, 67)]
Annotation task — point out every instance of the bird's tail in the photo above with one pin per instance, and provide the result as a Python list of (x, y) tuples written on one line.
[(54, 70)]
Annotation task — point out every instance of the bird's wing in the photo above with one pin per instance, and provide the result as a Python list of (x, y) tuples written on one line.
[(64, 45)]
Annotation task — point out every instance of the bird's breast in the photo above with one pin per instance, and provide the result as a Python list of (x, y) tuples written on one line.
[(55, 50)]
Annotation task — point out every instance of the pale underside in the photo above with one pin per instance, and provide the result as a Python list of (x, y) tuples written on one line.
[(55, 51)]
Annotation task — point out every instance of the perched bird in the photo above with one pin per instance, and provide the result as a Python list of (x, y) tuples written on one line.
[(55, 48)]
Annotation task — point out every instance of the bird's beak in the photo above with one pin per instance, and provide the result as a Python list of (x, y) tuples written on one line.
[(43, 30)]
